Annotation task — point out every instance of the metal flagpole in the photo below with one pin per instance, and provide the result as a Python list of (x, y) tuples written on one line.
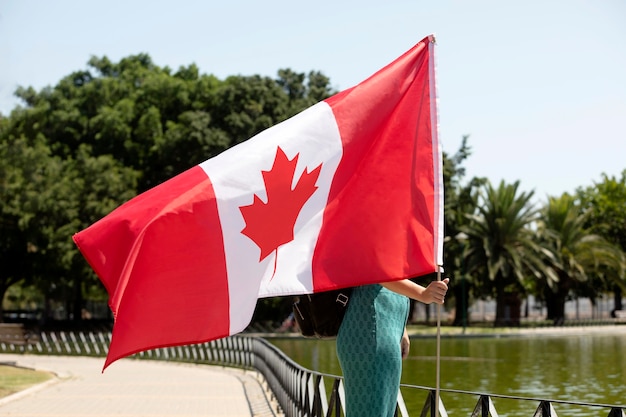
[(438, 201), (438, 360)]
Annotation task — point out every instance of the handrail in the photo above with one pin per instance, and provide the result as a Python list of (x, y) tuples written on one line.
[(298, 391)]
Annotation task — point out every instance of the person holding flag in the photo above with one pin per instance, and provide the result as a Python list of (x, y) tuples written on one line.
[(372, 342)]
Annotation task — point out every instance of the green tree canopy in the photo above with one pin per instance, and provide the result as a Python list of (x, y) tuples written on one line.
[(578, 254), (100, 136), (604, 204)]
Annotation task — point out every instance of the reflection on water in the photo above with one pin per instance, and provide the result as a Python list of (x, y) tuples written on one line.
[(587, 368)]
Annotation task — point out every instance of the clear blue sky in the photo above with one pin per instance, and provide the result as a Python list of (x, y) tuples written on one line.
[(540, 86)]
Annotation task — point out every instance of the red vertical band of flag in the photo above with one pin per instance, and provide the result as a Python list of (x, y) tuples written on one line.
[(160, 258), (181, 264), (387, 177)]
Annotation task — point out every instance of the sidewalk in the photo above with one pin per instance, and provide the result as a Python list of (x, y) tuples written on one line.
[(134, 388)]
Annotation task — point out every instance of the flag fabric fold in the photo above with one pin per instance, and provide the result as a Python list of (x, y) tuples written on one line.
[(348, 192)]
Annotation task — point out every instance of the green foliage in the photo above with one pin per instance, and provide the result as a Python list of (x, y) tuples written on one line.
[(501, 247), (578, 254), (605, 202), (76, 151), (501, 230), (604, 205), (24, 187), (23, 297)]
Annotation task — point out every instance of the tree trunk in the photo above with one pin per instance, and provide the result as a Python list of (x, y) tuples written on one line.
[(508, 308), (617, 293), (555, 305), (555, 300), (500, 307), (461, 301), (77, 307), (3, 291), (617, 300)]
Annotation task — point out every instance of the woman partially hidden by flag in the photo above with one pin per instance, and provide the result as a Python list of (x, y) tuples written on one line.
[(372, 342)]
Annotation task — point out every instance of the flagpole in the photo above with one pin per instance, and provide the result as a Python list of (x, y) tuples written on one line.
[(438, 360), (438, 203)]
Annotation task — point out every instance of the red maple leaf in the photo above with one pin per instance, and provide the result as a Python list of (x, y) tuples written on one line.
[(270, 224)]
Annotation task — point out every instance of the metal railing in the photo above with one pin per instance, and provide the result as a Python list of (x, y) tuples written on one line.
[(298, 391)]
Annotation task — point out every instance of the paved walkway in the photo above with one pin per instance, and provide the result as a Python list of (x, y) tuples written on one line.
[(134, 388)]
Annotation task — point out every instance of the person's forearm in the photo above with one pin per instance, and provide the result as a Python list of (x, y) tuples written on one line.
[(434, 293), (407, 288)]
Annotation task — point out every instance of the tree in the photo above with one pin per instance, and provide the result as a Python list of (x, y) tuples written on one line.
[(89, 188), (577, 252), (502, 249), (300, 95), (22, 178), (44, 201), (77, 150), (604, 204)]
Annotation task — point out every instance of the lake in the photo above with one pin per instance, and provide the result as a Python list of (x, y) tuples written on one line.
[(588, 368)]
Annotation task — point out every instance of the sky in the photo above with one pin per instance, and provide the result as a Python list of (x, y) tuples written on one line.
[(539, 86)]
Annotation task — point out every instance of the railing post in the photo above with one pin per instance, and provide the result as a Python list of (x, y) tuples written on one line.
[(545, 409), (617, 412), (484, 407), (429, 404), (334, 402), (401, 409)]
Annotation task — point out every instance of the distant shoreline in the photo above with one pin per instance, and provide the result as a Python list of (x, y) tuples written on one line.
[(421, 331), (449, 331)]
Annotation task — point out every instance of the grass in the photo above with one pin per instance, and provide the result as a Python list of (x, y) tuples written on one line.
[(14, 379)]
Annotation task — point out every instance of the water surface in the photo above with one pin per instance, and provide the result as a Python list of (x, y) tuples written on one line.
[(582, 368)]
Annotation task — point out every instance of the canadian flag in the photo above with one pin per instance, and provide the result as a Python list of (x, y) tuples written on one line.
[(346, 193)]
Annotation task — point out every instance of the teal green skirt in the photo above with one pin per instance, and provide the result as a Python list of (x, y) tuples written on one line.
[(368, 348)]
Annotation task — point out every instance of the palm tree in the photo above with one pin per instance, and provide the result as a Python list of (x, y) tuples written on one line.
[(460, 201), (502, 248), (579, 253)]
